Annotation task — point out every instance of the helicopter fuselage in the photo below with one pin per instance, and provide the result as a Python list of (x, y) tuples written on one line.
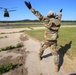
[(6, 13)]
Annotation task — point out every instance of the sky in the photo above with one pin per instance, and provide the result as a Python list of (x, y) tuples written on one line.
[(43, 6)]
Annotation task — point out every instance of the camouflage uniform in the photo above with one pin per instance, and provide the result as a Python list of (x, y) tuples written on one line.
[(51, 34), (52, 24)]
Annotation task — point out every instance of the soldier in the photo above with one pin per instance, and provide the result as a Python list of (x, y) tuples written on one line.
[(52, 24)]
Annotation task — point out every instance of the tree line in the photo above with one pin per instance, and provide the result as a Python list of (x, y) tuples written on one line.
[(28, 20)]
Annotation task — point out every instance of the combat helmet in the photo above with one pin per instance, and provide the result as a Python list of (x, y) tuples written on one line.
[(51, 14)]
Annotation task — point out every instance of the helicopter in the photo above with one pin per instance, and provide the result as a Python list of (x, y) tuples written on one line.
[(6, 11)]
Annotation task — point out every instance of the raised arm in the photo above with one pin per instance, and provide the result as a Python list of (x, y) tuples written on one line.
[(60, 14), (36, 13)]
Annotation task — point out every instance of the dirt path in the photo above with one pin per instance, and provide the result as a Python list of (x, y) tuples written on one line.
[(46, 65), (32, 64), (9, 30)]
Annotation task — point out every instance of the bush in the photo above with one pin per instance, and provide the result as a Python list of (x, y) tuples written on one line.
[(12, 47), (19, 45), (3, 37), (5, 67), (9, 47)]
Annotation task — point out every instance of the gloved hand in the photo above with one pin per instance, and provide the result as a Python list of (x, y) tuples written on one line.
[(28, 4), (61, 10)]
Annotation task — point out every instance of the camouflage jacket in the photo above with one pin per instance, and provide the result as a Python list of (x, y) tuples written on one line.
[(52, 25)]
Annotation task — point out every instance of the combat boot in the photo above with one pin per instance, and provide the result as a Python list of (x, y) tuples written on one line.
[(40, 54), (39, 58), (56, 67)]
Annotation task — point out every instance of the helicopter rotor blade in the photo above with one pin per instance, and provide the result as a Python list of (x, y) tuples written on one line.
[(1, 8), (7, 8), (11, 10)]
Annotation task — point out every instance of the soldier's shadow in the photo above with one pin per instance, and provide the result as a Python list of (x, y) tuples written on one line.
[(62, 52)]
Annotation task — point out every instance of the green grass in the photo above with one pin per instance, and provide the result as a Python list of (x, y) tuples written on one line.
[(5, 68), (66, 35), (19, 45), (27, 26), (38, 34)]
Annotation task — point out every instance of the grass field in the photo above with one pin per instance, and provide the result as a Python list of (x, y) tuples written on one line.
[(66, 40), (31, 24)]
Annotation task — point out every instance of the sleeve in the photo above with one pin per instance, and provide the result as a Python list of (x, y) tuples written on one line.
[(37, 14), (59, 15)]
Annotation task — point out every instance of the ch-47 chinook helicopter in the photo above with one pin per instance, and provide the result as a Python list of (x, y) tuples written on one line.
[(6, 11)]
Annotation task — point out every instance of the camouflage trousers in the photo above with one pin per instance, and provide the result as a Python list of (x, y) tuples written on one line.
[(53, 48)]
